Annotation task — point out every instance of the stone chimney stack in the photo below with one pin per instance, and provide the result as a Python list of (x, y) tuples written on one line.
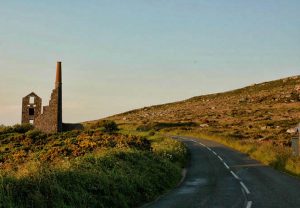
[(58, 86), (58, 81)]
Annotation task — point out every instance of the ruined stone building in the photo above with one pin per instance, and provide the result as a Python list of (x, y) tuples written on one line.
[(31, 108), (49, 118)]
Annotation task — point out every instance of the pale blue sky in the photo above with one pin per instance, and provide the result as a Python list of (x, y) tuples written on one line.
[(119, 55)]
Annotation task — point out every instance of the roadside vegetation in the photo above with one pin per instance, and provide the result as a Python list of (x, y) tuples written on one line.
[(279, 157), (100, 166), (270, 153)]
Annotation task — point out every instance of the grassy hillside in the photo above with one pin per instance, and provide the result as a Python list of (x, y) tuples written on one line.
[(254, 120), (96, 167), (261, 112)]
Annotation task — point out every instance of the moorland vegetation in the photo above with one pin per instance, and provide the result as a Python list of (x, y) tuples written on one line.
[(100, 166)]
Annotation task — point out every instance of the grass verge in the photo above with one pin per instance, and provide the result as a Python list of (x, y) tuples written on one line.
[(276, 156)]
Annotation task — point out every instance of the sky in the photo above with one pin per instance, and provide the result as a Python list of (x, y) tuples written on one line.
[(120, 55)]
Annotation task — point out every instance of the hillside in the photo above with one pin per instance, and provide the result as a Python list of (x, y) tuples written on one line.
[(261, 111)]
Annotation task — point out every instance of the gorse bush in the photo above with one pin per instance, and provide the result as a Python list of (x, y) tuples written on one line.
[(35, 135), (90, 168), (18, 128), (110, 126), (48, 147), (22, 128), (159, 126), (123, 178), (170, 149), (105, 125), (2, 127)]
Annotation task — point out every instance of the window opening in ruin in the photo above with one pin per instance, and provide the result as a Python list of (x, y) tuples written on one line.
[(31, 100), (31, 121), (31, 111)]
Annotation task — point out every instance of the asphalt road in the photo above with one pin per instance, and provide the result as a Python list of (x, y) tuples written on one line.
[(218, 176)]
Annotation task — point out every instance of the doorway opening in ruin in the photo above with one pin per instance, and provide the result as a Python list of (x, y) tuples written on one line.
[(31, 111)]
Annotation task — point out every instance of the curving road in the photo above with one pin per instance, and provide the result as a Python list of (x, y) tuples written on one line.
[(222, 177)]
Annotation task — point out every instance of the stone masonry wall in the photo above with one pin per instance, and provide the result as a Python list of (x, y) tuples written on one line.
[(35, 107), (48, 121)]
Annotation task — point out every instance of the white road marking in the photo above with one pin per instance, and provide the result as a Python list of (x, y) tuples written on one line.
[(201, 144), (249, 204), (245, 188), (226, 165), (234, 175)]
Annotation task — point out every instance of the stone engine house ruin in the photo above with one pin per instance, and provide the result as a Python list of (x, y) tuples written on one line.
[(31, 108), (49, 118)]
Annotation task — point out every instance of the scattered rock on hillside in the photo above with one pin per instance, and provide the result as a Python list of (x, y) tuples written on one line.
[(265, 110), (291, 130), (263, 128)]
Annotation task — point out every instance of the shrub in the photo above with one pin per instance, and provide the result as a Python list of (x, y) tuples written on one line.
[(2, 127), (80, 169), (70, 134), (117, 178), (105, 125), (18, 128), (293, 165), (170, 149), (110, 126), (151, 133), (158, 126), (22, 128), (35, 135)]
